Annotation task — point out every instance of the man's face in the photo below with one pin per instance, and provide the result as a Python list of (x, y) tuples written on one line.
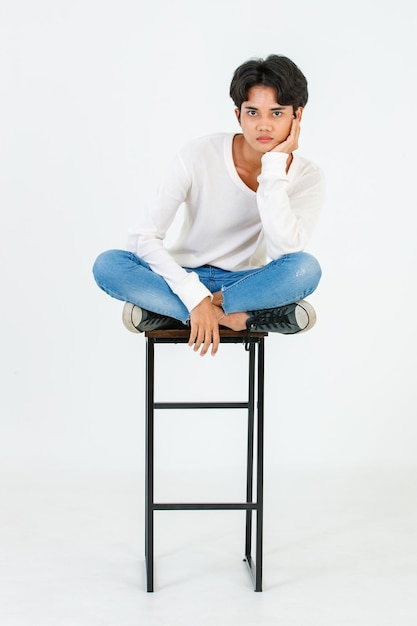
[(265, 123)]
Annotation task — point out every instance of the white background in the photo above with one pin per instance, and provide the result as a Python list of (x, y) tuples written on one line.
[(95, 95)]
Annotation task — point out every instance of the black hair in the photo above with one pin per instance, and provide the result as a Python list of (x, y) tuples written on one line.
[(275, 71)]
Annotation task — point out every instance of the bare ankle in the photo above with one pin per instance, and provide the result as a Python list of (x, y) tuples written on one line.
[(235, 321)]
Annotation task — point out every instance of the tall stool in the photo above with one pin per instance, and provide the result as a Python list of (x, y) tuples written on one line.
[(254, 344)]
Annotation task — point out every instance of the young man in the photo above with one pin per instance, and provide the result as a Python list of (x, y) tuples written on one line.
[(250, 208)]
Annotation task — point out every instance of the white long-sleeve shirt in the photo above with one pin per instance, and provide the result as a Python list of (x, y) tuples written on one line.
[(226, 224)]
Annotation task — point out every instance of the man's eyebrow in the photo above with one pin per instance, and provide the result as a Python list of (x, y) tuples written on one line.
[(252, 108)]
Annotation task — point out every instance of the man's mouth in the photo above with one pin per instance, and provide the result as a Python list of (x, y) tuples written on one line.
[(264, 139)]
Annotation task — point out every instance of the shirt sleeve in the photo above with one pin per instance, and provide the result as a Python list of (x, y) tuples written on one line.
[(288, 211), (146, 238)]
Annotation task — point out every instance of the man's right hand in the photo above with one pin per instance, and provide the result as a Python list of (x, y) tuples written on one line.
[(204, 328), (291, 142)]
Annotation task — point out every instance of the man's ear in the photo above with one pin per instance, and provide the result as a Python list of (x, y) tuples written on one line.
[(237, 113), (299, 113)]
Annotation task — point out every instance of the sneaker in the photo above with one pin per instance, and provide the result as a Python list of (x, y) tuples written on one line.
[(288, 320), (139, 320)]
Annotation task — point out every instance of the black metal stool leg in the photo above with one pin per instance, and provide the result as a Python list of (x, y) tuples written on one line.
[(255, 568), (149, 470), (249, 466), (260, 467)]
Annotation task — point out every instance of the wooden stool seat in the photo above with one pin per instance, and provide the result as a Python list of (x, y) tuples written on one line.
[(184, 334)]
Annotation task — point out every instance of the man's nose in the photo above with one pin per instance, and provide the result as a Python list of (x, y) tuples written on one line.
[(264, 124)]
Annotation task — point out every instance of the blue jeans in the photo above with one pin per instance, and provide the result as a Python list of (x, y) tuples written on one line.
[(124, 276)]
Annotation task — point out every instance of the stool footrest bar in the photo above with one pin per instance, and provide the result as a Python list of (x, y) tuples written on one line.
[(201, 405), (205, 506)]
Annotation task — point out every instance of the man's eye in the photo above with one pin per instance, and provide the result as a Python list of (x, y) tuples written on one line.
[(252, 113), (277, 113)]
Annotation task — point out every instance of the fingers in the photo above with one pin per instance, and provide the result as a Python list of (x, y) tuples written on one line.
[(204, 328), (295, 130), (292, 139), (202, 338)]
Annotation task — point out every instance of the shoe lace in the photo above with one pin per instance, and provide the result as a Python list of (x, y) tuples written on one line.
[(246, 341), (266, 317)]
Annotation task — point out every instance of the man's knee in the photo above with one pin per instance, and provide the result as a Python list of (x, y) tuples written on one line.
[(104, 262), (310, 267), (303, 267)]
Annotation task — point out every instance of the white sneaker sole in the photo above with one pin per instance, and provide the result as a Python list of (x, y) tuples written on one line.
[(305, 316), (132, 317)]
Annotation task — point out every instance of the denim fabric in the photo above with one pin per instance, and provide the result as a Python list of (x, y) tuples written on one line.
[(124, 276)]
